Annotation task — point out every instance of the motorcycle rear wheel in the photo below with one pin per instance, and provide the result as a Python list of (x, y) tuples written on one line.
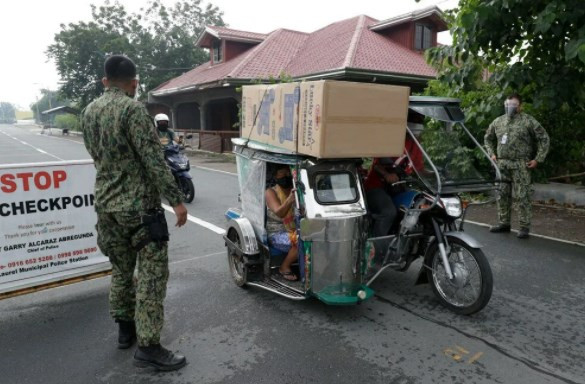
[(471, 288), (188, 189)]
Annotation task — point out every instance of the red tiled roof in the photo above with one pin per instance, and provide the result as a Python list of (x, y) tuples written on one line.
[(226, 33), (378, 53), (432, 13), (324, 49), (345, 44), (272, 56), (267, 59)]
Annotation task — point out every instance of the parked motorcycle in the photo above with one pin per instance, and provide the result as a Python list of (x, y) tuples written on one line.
[(180, 166)]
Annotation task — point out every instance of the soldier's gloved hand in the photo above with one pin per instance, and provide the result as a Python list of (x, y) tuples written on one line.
[(181, 213), (532, 164)]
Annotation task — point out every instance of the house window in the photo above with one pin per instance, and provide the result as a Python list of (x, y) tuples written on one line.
[(423, 37), (217, 52)]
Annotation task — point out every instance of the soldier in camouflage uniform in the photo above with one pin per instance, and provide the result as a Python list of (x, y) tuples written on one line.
[(518, 143), (131, 178)]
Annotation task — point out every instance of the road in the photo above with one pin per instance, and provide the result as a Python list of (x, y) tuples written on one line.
[(531, 332)]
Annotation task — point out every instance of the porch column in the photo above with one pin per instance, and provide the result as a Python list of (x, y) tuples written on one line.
[(175, 124), (203, 116)]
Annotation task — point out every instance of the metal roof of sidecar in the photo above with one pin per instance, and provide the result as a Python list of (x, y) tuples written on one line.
[(439, 108), (254, 150)]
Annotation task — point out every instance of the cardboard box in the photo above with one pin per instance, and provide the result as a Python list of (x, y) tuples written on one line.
[(270, 114), (345, 119), (327, 119)]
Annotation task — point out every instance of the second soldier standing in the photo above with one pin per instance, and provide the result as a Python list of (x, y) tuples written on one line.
[(132, 231), (518, 143)]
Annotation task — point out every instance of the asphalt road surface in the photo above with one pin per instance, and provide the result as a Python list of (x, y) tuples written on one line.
[(531, 332)]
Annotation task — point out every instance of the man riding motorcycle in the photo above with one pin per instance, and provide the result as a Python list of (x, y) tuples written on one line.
[(165, 134)]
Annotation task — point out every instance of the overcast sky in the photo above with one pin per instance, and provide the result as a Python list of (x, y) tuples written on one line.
[(28, 27)]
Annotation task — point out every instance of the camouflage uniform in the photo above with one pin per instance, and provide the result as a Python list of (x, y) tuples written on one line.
[(518, 140), (131, 177)]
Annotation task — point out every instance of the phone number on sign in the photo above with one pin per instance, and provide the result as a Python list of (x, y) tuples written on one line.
[(43, 259)]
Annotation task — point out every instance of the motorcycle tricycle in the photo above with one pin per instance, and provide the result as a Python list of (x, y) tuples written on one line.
[(338, 257)]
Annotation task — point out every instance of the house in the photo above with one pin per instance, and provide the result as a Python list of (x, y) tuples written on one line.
[(48, 116), (205, 99)]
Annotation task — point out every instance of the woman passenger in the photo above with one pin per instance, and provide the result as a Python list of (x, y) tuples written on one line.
[(280, 223)]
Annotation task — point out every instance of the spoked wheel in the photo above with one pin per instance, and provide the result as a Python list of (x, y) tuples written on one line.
[(471, 287), (188, 189), (238, 270)]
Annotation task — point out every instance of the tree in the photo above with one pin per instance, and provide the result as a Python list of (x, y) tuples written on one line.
[(7, 113), (159, 39), (534, 47)]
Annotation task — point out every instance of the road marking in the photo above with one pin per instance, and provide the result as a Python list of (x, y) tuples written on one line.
[(198, 257), (60, 138), (474, 358), (462, 350), (532, 234), (215, 170), (198, 221), (458, 353), (32, 146)]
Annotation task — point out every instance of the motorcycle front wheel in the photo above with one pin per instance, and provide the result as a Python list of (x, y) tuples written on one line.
[(470, 289), (188, 189)]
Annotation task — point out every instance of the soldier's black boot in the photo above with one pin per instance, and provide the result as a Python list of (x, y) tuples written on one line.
[(523, 233), (126, 334), (158, 357), (500, 228)]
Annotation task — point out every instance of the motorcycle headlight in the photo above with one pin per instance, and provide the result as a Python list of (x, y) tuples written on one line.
[(452, 206)]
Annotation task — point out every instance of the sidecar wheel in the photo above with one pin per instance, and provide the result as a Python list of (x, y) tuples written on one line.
[(471, 287), (238, 270)]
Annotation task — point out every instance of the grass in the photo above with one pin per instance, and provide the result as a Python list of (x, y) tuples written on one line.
[(24, 115)]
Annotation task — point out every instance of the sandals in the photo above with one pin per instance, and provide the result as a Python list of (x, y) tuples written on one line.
[(288, 275)]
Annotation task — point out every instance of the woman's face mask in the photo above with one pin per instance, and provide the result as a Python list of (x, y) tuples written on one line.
[(284, 182)]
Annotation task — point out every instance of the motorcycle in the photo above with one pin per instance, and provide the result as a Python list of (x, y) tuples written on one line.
[(338, 256), (180, 166)]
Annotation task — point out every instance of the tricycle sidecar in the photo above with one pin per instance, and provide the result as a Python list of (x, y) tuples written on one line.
[(338, 257)]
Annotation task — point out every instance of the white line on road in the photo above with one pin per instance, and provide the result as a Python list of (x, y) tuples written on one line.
[(532, 234), (32, 146), (60, 138), (197, 257), (215, 170), (198, 221)]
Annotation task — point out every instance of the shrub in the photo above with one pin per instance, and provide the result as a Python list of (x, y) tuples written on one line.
[(67, 121)]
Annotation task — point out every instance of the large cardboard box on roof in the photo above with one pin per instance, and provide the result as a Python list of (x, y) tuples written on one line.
[(345, 119), (270, 114)]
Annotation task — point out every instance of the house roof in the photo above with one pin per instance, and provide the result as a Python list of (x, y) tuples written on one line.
[(264, 60), (59, 109), (350, 44), (224, 33), (433, 13)]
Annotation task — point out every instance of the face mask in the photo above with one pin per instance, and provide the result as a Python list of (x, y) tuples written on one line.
[(163, 126), (285, 182), (511, 109)]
